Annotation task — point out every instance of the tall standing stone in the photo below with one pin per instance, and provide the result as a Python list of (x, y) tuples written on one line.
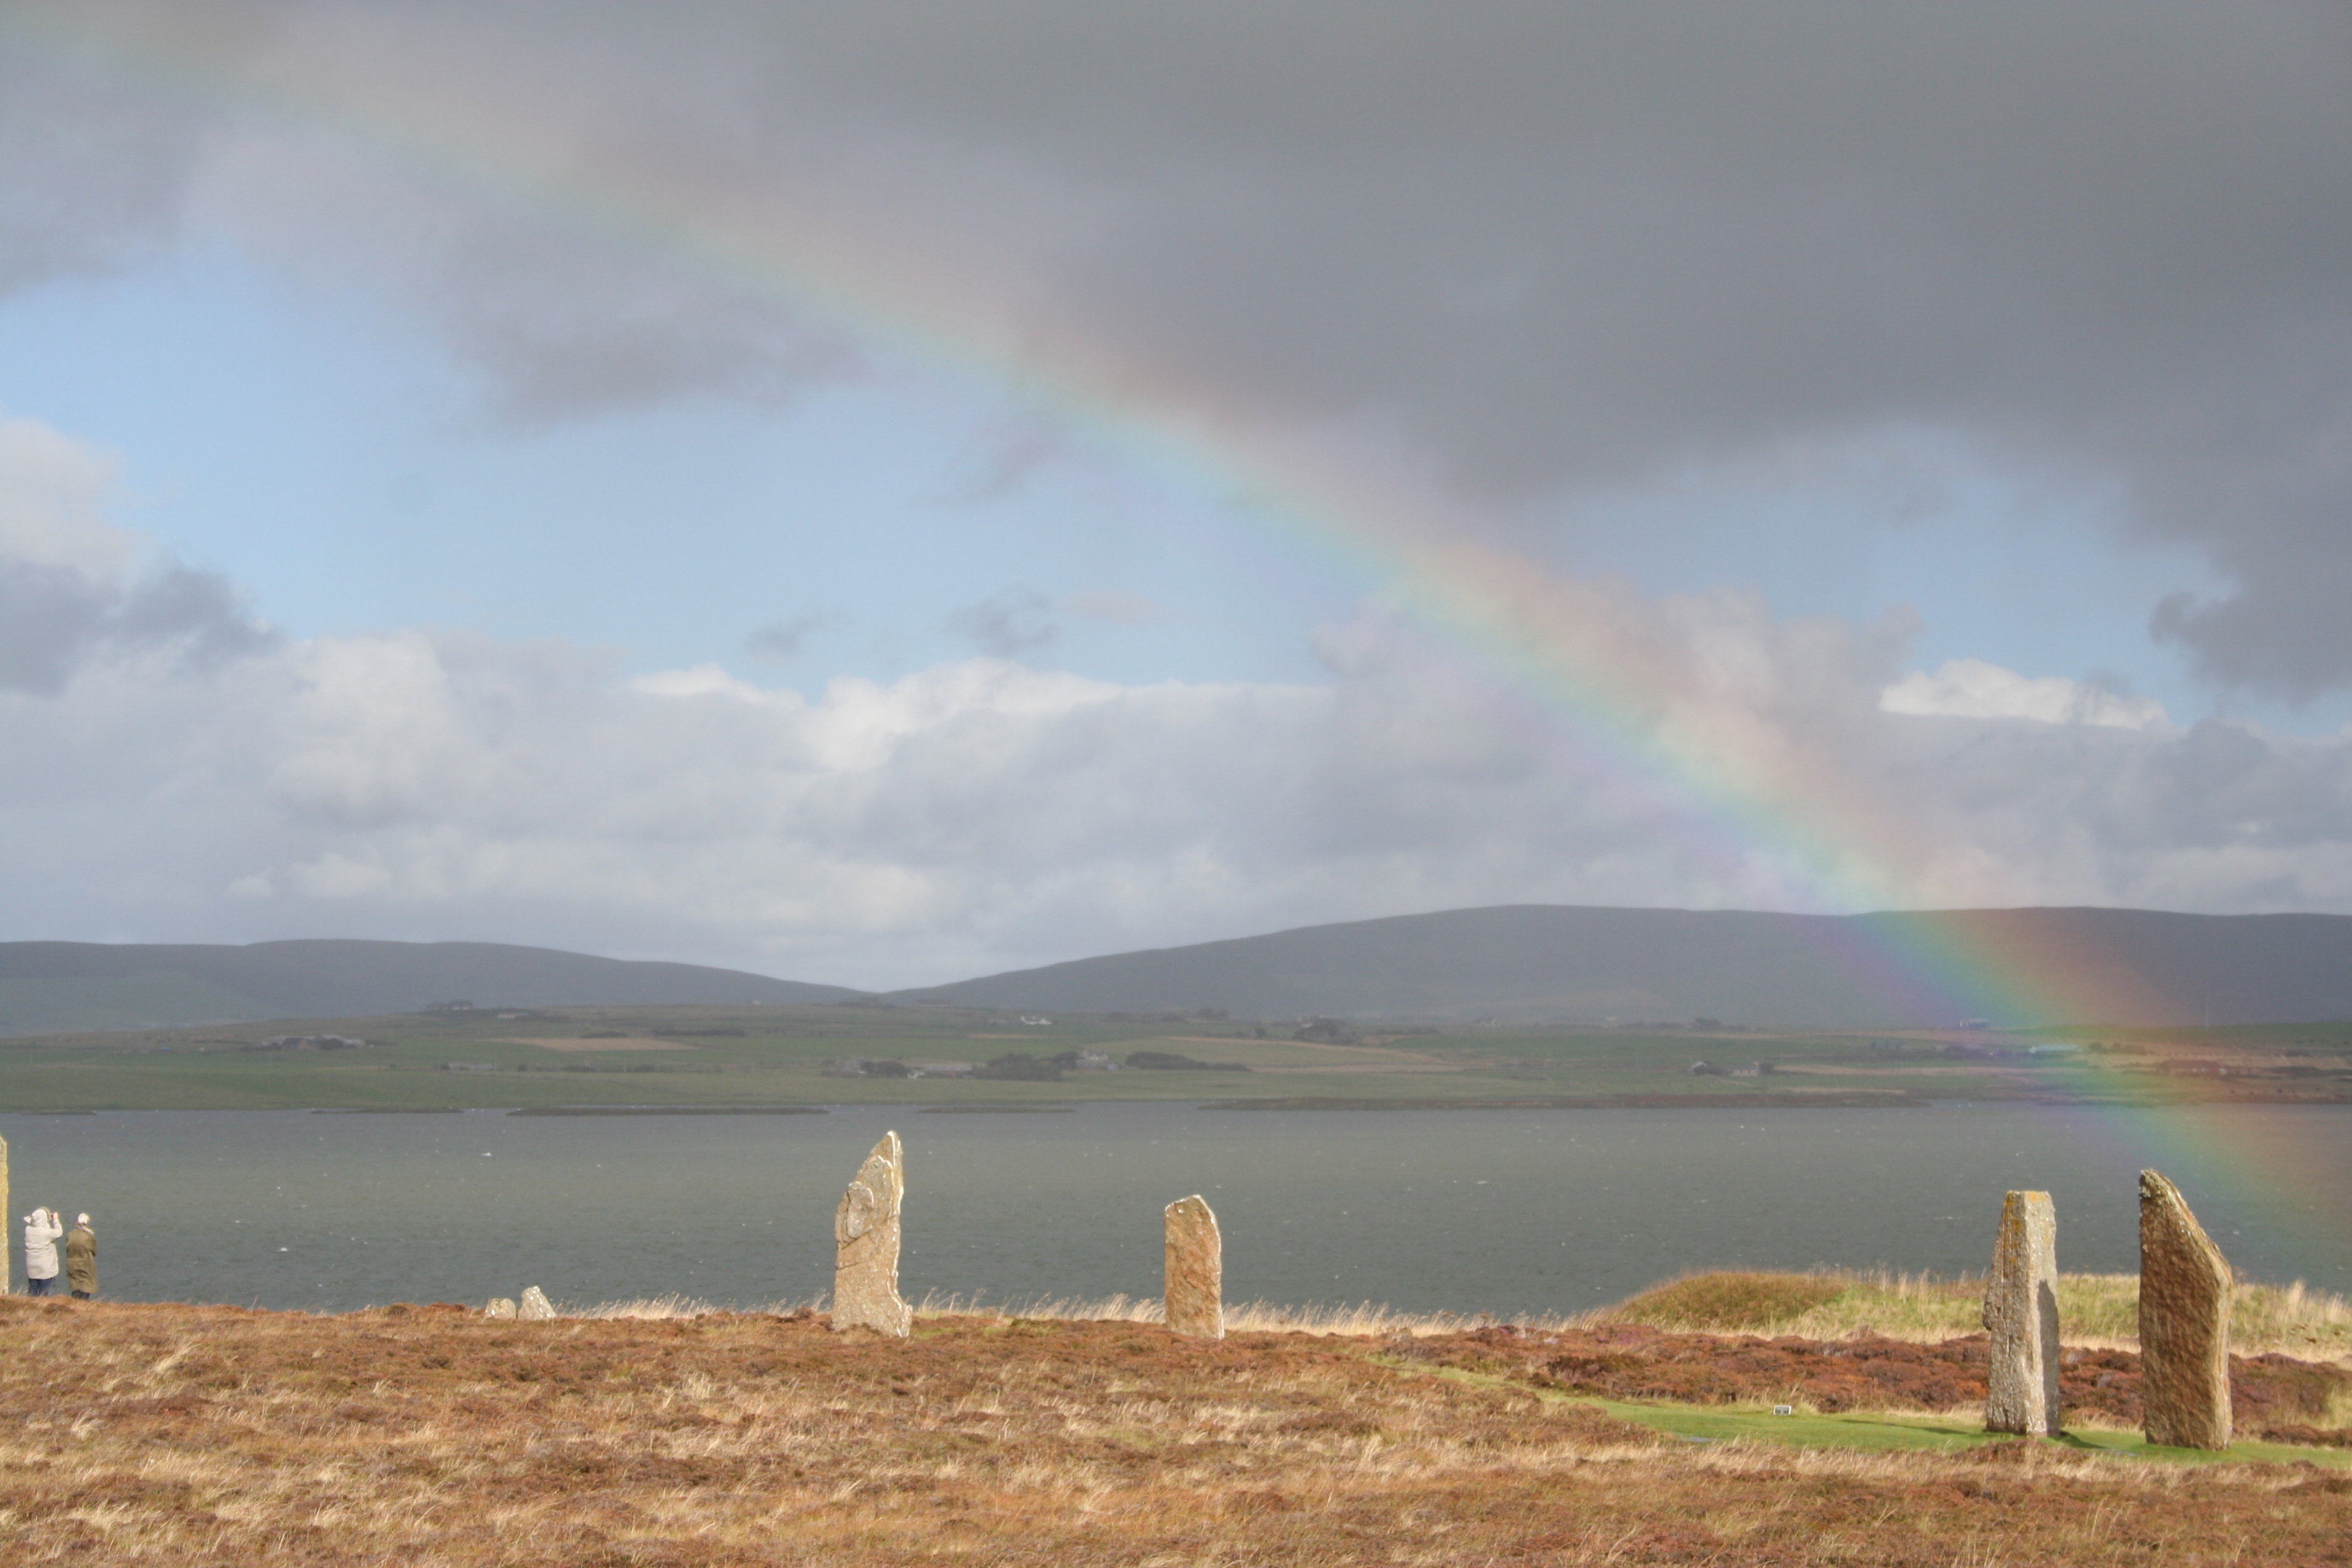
[(866, 1245), (2021, 1311), (2184, 1323), (1196, 1270), (534, 1307)]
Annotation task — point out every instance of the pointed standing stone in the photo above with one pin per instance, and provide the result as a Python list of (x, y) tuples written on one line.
[(866, 1245), (2021, 1311), (534, 1307), (2184, 1323), (1196, 1270)]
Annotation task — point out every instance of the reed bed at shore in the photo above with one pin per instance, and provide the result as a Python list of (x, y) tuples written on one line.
[(1361, 1319), (2097, 1310), (1366, 1319)]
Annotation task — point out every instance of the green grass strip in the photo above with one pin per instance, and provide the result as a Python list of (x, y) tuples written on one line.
[(1878, 1432)]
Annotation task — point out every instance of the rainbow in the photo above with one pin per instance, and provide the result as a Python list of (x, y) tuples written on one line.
[(1784, 820)]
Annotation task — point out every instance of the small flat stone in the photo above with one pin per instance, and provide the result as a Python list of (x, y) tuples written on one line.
[(2021, 1312), (500, 1307), (1196, 1270), (2184, 1322), (866, 1245), (534, 1307)]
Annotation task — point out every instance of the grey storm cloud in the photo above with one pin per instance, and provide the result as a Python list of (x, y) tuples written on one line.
[(565, 333), (54, 620), (781, 641), (1547, 246), (90, 168), (1008, 622)]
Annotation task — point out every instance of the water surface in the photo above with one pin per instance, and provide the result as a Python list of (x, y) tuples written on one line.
[(1500, 1211)]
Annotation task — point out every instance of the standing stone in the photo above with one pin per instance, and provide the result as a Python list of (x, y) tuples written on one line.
[(6, 1224), (2184, 1323), (2021, 1311), (534, 1307), (866, 1245), (1196, 1270), (500, 1307)]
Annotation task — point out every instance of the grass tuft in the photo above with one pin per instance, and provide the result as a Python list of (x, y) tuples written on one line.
[(2095, 1310), (1731, 1302)]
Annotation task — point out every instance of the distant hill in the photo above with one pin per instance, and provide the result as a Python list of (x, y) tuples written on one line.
[(1551, 962), (1515, 964), (48, 986)]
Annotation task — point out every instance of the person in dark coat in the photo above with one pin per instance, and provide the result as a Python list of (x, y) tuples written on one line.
[(81, 1259)]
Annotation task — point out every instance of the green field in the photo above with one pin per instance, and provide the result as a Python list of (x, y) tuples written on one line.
[(748, 1056)]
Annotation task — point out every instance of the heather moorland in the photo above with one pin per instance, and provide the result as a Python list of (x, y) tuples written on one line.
[(426, 1435)]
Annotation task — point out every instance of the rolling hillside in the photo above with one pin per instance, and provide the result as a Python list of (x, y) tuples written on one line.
[(48, 986), (1514, 963), (1549, 962)]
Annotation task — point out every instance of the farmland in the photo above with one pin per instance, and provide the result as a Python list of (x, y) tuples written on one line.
[(552, 1058)]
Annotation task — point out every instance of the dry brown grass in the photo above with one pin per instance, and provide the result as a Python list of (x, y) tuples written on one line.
[(148, 1434), (1362, 1320), (2295, 1401), (2097, 1310)]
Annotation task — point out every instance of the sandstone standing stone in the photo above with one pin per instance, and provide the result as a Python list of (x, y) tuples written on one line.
[(534, 1307), (1196, 1270), (866, 1245), (2021, 1311), (2184, 1323), (500, 1307)]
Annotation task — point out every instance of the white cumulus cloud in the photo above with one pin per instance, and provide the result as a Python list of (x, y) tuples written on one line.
[(169, 771), (53, 491), (983, 814), (1973, 688)]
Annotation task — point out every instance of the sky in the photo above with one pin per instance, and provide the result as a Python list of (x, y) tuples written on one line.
[(889, 493)]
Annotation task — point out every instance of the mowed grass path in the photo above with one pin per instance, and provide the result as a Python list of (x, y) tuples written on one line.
[(146, 1434)]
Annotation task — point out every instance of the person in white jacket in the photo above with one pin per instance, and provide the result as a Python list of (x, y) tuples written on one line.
[(42, 1228)]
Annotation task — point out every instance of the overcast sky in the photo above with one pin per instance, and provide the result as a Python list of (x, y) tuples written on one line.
[(888, 492)]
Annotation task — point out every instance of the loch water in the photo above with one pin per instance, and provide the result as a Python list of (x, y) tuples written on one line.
[(1507, 1212)]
